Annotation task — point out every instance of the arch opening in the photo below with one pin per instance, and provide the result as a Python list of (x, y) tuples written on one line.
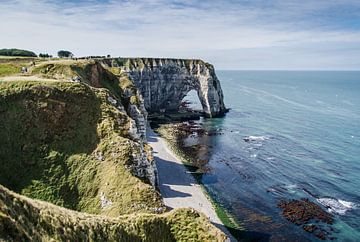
[(191, 102)]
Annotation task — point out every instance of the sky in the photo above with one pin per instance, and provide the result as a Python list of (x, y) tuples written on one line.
[(231, 34)]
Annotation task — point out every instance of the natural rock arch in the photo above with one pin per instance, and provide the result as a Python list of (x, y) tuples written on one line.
[(163, 83), (192, 101)]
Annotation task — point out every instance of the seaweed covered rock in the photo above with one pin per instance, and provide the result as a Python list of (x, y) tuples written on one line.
[(308, 215)]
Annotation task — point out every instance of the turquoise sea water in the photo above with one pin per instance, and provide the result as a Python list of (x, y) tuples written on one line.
[(304, 142)]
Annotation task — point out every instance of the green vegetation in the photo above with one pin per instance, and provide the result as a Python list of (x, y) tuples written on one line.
[(46, 55), (9, 69), (67, 143), (12, 65), (41, 221), (53, 134), (17, 52), (64, 54), (93, 73), (170, 134)]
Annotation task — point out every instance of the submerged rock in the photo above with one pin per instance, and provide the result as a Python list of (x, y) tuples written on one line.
[(308, 215)]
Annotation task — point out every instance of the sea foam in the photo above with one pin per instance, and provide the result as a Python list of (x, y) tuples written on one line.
[(255, 138), (337, 205)]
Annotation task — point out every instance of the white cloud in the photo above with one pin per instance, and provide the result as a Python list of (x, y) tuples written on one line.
[(277, 35)]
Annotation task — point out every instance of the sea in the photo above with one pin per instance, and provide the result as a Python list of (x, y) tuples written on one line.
[(289, 135)]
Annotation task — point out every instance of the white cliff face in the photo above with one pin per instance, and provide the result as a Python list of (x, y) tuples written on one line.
[(163, 83), (141, 166), (139, 114)]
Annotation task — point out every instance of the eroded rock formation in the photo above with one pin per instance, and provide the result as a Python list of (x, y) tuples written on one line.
[(163, 83)]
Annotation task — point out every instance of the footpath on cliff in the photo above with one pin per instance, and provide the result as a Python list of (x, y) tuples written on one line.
[(178, 188)]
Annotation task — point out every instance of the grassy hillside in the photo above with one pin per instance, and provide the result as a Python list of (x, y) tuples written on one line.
[(24, 219), (91, 72), (73, 145), (64, 143)]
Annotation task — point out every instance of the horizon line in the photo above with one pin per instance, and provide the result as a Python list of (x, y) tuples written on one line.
[(339, 70)]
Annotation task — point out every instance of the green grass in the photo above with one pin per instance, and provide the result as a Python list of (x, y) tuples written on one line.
[(24, 219), (9, 69), (52, 135), (93, 73), (11, 65)]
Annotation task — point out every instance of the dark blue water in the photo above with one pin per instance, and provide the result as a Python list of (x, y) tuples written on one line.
[(304, 131)]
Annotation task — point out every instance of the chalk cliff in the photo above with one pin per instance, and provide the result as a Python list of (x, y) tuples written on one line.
[(163, 83)]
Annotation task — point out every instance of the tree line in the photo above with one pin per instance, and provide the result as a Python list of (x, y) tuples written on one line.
[(17, 52), (27, 53)]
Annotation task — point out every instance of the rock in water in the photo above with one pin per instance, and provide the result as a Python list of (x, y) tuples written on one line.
[(305, 213)]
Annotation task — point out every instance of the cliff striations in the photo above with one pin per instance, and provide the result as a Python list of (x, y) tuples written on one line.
[(163, 83)]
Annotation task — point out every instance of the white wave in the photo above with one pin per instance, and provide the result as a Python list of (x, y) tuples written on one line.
[(282, 189), (255, 138), (291, 186), (337, 205)]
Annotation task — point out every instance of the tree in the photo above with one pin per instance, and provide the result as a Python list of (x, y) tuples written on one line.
[(46, 55), (17, 52), (65, 54)]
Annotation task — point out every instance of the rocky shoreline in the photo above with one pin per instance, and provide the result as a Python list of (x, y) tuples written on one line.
[(189, 141)]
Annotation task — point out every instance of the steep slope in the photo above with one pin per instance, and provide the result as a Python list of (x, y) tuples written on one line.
[(96, 74), (72, 145), (24, 219)]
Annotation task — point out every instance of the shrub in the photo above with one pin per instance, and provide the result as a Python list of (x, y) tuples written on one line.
[(46, 55)]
